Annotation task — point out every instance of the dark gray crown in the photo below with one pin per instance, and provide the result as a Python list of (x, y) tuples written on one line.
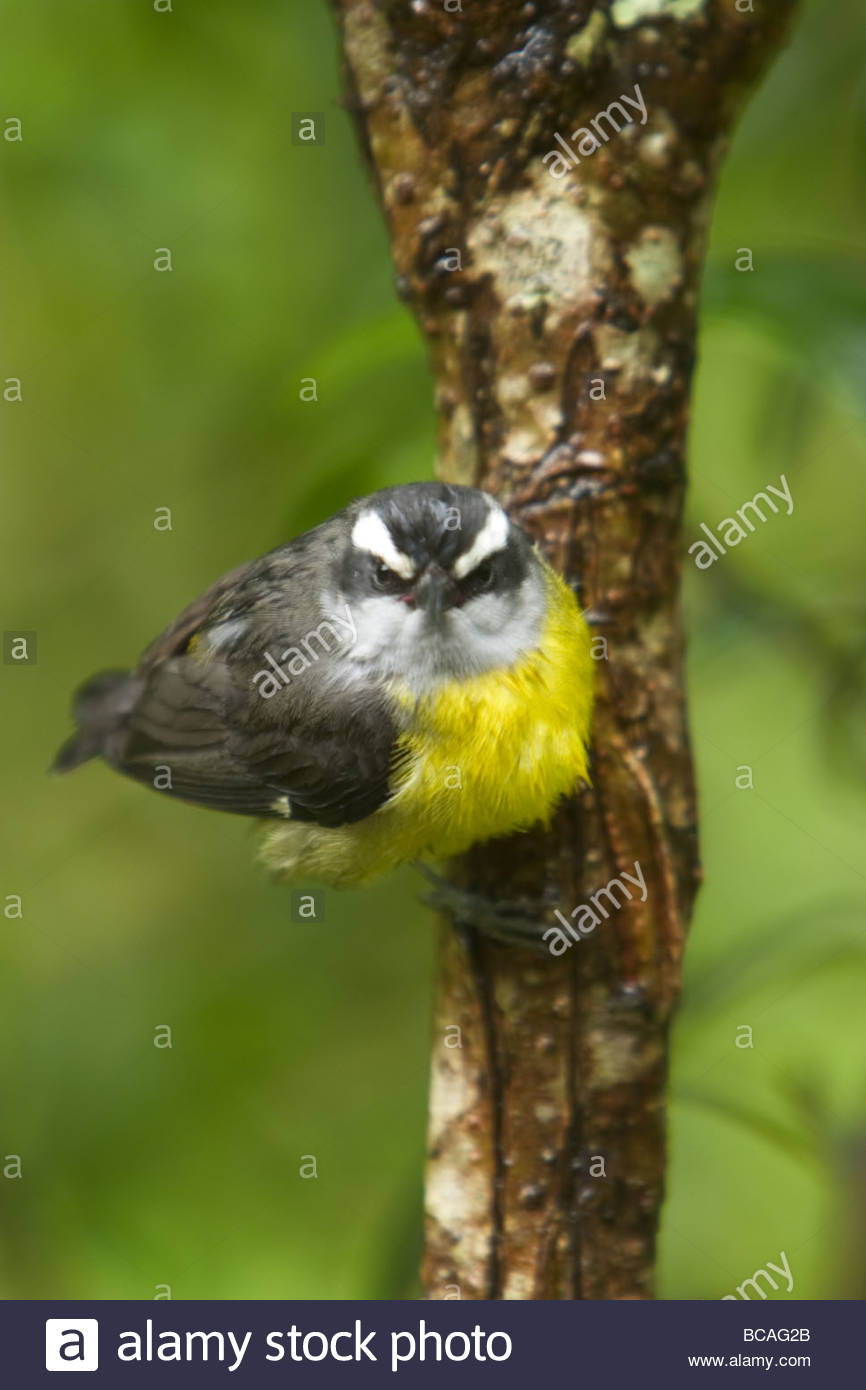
[(431, 521), (437, 523)]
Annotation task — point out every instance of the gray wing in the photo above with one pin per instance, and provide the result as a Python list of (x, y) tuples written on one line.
[(198, 734), (190, 722)]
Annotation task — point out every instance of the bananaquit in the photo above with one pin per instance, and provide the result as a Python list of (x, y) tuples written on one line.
[(403, 681)]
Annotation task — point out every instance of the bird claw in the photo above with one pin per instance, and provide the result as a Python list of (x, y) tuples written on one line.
[(518, 926)]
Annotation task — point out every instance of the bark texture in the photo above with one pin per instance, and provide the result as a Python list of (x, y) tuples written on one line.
[(560, 318)]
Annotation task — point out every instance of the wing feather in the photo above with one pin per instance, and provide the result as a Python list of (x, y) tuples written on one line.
[(226, 748), (193, 708)]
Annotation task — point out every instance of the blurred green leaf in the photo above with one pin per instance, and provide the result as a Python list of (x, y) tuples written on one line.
[(816, 307)]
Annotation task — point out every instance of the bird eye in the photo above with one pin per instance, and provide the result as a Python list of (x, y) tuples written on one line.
[(385, 579), (484, 576)]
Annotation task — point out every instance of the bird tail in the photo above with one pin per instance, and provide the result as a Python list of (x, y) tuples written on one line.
[(99, 707)]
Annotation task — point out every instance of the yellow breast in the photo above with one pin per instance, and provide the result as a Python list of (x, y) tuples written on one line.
[(495, 753)]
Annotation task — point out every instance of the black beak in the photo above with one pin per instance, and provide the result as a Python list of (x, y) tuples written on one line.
[(435, 593)]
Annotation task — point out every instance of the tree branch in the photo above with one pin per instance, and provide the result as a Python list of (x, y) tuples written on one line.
[(556, 286)]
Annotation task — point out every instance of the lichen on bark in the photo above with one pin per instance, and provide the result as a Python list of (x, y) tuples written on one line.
[(560, 316)]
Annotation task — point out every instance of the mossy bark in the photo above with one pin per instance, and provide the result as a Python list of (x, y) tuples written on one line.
[(559, 304)]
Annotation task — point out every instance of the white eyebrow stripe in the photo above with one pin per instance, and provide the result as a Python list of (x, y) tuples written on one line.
[(493, 536), (371, 534)]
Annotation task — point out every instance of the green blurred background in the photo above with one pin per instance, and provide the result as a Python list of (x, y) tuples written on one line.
[(145, 1167)]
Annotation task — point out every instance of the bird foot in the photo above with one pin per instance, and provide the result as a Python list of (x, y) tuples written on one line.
[(520, 925)]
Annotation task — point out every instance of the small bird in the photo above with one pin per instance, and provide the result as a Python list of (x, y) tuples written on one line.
[(405, 680)]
